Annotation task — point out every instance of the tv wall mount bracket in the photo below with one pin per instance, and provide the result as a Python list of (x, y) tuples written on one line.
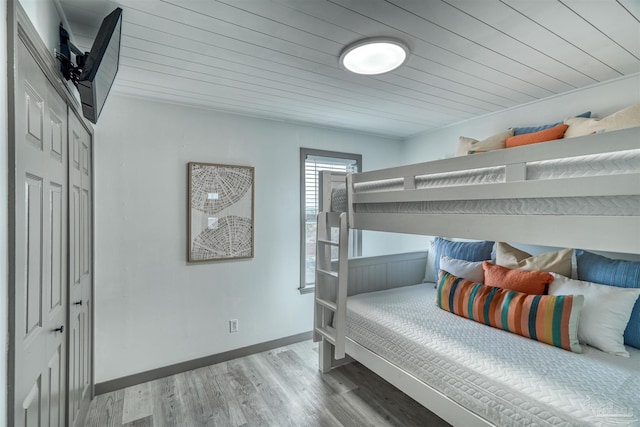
[(70, 70)]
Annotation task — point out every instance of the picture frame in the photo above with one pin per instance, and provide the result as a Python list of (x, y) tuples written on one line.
[(220, 209)]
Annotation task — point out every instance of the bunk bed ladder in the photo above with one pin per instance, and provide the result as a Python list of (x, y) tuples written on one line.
[(330, 303)]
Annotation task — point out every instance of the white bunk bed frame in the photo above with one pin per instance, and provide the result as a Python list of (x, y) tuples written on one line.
[(618, 234)]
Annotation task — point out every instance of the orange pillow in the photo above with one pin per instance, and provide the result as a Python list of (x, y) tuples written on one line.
[(550, 134), (527, 282)]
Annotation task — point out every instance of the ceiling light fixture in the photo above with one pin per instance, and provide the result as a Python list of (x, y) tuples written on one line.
[(372, 56)]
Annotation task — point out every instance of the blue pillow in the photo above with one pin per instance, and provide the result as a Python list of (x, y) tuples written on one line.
[(613, 272), (532, 129), (467, 251)]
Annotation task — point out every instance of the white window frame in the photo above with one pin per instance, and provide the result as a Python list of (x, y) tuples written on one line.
[(356, 238)]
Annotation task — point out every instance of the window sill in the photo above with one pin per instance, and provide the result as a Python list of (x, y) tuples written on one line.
[(307, 289)]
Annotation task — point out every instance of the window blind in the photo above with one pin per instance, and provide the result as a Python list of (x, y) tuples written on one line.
[(313, 165)]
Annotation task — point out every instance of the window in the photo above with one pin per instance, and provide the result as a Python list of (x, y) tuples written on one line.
[(311, 163)]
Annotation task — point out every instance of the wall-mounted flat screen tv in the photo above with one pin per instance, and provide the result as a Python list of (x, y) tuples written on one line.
[(101, 66)]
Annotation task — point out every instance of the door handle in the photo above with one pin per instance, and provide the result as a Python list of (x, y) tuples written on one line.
[(60, 329), (78, 302)]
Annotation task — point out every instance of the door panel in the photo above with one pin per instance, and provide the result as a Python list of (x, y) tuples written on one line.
[(34, 104), (32, 405), (87, 271), (74, 221), (33, 255), (74, 372), (40, 248), (86, 233), (81, 282), (58, 260), (55, 410), (57, 137)]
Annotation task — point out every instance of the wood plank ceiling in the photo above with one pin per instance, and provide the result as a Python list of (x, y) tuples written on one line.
[(278, 58)]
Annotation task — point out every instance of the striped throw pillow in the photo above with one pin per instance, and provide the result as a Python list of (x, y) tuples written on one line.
[(551, 319)]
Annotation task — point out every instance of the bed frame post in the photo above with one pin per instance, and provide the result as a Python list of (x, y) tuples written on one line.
[(324, 191), (350, 190), (324, 361)]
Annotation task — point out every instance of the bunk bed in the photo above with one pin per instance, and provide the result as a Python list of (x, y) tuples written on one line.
[(582, 193)]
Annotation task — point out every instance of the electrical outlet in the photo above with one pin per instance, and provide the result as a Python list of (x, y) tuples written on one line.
[(233, 325)]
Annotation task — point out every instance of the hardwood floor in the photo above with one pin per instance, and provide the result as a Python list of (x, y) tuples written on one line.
[(281, 387)]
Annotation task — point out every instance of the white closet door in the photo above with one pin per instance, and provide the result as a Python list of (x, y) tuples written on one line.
[(80, 270), (40, 248)]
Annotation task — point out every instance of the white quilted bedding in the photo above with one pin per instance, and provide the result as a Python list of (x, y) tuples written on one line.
[(507, 379), (622, 162)]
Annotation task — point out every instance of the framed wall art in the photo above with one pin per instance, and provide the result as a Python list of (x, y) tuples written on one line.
[(220, 212)]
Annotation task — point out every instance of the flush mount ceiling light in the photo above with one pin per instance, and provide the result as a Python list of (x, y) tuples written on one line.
[(374, 55)]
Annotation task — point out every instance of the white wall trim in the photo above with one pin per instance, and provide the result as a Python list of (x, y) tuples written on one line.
[(154, 374)]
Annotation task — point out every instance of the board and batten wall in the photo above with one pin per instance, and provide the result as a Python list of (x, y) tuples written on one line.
[(601, 99), (152, 308)]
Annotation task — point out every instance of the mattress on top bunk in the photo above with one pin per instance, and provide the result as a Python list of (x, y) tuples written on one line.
[(622, 162), (505, 378)]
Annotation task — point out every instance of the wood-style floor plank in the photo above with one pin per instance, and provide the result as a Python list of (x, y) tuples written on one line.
[(138, 403), (281, 388), (142, 422), (272, 393), (106, 410), (295, 405), (222, 406)]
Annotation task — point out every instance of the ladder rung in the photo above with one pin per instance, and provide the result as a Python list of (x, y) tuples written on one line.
[(328, 242), (328, 304), (327, 273), (328, 333)]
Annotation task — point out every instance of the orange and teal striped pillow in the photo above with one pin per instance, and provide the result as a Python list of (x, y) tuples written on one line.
[(551, 319)]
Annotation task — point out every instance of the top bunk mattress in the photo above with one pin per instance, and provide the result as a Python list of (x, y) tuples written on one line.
[(505, 378), (615, 163)]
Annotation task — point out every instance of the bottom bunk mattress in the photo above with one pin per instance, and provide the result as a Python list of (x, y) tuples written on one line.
[(507, 379)]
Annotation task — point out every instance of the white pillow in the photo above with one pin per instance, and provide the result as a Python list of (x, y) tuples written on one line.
[(605, 313), (626, 118), (494, 142), (466, 269)]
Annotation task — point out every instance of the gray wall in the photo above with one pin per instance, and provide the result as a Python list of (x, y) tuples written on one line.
[(152, 308), (4, 243), (45, 17)]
